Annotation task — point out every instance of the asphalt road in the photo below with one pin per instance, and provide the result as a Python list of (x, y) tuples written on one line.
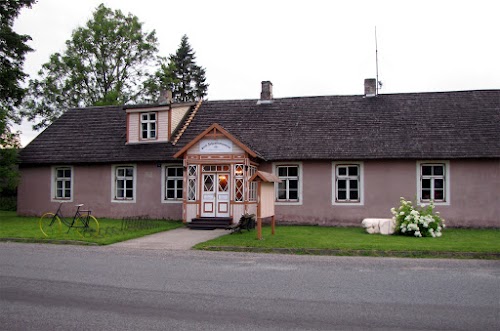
[(52, 287)]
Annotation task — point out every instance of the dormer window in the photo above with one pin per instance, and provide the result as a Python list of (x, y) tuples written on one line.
[(148, 125)]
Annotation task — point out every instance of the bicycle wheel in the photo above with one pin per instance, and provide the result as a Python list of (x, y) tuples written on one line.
[(50, 225), (88, 226)]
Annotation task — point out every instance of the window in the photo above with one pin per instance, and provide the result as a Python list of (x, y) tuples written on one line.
[(239, 184), (347, 183), (173, 182), (62, 184), (433, 182), (252, 187), (148, 126), (191, 182), (124, 183), (289, 189)]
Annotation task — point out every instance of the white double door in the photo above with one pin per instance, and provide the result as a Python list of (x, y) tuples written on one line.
[(215, 197)]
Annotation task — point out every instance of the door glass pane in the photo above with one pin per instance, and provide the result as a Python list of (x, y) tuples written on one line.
[(209, 183), (223, 183)]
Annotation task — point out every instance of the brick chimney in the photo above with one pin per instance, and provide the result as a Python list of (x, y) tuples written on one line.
[(266, 95), (370, 87), (165, 97)]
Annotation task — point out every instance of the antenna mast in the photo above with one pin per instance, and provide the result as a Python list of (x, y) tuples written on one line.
[(376, 61)]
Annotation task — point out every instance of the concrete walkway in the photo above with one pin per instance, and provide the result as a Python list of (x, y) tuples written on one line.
[(178, 239)]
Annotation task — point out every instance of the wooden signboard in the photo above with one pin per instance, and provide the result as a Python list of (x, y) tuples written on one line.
[(265, 199)]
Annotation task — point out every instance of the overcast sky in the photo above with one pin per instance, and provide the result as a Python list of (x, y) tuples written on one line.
[(304, 48)]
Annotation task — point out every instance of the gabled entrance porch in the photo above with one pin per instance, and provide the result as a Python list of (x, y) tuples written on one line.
[(217, 190)]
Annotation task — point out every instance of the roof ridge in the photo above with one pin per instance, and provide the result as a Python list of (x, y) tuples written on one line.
[(187, 122)]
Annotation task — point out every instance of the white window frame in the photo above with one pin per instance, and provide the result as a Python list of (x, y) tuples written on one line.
[(164, 183), (53, 181), (300, 181), (192, 178), (361, 185), (113, 183), (148, 123), (447, 180)]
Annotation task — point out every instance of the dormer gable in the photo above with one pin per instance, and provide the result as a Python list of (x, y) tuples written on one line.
[(154, 123)]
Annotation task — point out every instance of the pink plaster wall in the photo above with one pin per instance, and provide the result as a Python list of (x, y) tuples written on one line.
[(474, 192), (92, 187)]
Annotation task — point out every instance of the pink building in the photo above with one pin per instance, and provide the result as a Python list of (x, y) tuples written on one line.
[(340, 158)]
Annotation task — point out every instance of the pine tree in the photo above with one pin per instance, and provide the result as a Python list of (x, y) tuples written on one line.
[(182, 75)]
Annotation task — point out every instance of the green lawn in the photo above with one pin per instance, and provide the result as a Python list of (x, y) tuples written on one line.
[(348, 240), (110, 230), (481, 243)]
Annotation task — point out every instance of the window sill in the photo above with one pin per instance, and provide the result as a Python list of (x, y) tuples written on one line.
[(288, 203), (347, 203), (124, 201), (172, 201), (62, 200)]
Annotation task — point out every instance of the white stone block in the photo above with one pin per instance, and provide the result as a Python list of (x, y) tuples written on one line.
[(379, 225)]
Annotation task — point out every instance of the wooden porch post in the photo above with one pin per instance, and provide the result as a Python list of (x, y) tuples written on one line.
[(259, 211), (273, 223)]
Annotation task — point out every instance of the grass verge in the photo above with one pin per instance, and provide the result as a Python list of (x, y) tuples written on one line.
[(455, 243), (26, 229)]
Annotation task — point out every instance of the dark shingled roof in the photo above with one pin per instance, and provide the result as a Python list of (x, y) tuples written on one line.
[(411, 125), (91, 135), (443, 125)]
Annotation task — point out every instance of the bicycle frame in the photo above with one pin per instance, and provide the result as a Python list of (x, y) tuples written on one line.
[(83, 222), (78, 216)]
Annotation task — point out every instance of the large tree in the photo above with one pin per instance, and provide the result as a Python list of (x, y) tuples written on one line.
[(182, 75), (13, 49), (106, 62)]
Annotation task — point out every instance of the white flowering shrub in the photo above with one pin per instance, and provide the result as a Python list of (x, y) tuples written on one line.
[(418, 222)]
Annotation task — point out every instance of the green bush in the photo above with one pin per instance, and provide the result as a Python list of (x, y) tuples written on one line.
[(8, 203), (418, 222)]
